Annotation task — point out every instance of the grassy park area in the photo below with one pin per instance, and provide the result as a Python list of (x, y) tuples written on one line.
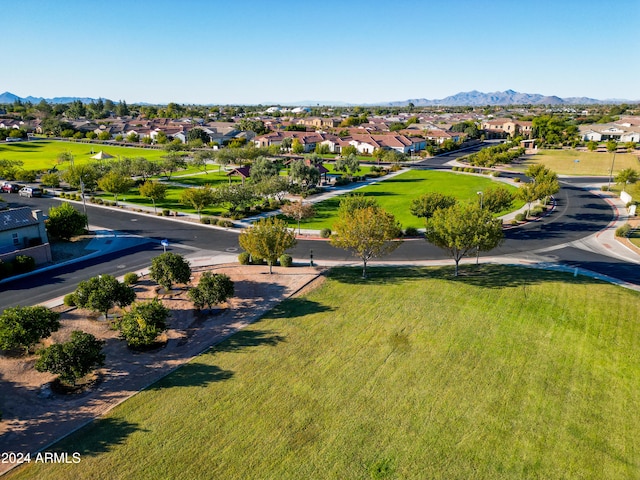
[(563, 162), (395, 195), (43, 154), (499, 373)]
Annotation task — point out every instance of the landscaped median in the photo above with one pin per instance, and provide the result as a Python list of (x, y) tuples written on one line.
[(500, 373)]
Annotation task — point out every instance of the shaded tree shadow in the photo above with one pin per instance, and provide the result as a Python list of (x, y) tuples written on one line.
[(248, 338), (98, 437), (296, 307), (193, 374), (484, 275)]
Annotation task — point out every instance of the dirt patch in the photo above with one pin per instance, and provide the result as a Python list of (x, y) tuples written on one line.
[(34, 415), (62, 251)]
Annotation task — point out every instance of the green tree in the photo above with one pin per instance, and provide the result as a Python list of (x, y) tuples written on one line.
[(155, 191), (50, 180), (268, 238), (74, 359), (626, 176), (592, 146), (427, 203), (198, 134), (200, 160), (276, 187), (235, 195), (612, 146), (462, 228), (197, 197), (102, 293), (169, 268), (298, 211), (367, 232), (104, 135), (23, 327), (528, 194), (263, 168), (297, 147), (142, 324), (65, 222), (212, 289), (144, 168), (82, 176), (171, 163), (305, 175), (115, 184), (496, 199), (349, 164), (348, 150)]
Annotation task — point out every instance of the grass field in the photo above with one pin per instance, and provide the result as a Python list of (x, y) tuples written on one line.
[(590, 163), (43, 154), (395, 195), (502, 373)]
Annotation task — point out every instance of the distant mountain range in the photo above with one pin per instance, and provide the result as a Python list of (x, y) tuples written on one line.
[(462, 99), (508, 97)]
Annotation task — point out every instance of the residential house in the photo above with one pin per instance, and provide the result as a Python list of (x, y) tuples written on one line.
[(22, 232)]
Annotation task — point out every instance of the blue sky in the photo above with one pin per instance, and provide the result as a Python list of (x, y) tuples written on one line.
[(278, 51)]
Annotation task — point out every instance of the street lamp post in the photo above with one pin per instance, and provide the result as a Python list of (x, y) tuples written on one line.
[(611, 171), (481, 206)]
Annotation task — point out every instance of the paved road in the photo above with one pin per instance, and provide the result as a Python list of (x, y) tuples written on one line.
[(578, 215)]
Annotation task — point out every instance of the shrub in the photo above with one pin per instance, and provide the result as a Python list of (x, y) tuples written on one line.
[(623, 231), (244, 258), (325, 232), (604, 188), (131, 278), (23, 264), (517, 179), (495, 174), (514, 222), (411, 232), (223, 222), (205, 220), (537, 210), (6, 269), (166, 212), (286, 260), (521, 217), (70, 300)]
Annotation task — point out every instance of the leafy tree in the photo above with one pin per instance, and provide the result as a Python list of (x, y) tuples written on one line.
[(155, 191), (169, 268), (263, 168), (104, 135), (116, 184), (211, 290), (462, 228), (142, 324), (256, 126), (528, 194), (144, 168), (171, 163), (272, 187), (628, 175), (197, 197), (349, 164), (86, 175), (368, 232), (50, 180), (427, 203), (200, 160), (102, 293), (350, 203), (65, 157), (268, 238), (23, 327), (235, 195), (496, 199), (122, 109), (298, 211), (296, 146), (348, 150), (65, 222), (612, 146), (304, 174), (592, 146), (74, 359), (198, 134)]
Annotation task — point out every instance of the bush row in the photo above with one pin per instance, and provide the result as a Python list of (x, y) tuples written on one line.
[(20, 264)]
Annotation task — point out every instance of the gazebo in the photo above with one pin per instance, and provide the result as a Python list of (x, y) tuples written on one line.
[(101, 155)]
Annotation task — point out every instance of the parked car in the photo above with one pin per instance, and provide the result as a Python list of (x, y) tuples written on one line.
[(10, 188), (30, 192)]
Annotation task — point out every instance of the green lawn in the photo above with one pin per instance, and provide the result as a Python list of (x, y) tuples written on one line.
[(43, 154), (502, 373), (395, 195), (590, 163)]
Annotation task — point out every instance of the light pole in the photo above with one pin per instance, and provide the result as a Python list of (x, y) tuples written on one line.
[(611, 171), (481, 206)]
